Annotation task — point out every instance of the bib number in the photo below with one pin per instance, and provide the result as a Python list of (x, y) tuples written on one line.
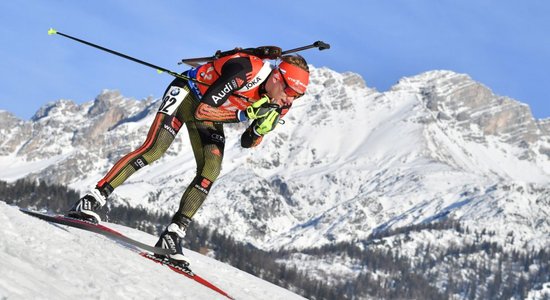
[(172, 100)]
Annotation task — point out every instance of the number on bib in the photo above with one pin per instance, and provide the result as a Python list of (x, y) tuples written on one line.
[(172, 100)]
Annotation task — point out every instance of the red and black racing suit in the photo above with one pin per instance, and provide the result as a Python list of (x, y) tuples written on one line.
[(232, 83)]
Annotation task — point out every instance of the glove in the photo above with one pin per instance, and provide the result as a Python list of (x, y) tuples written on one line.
[(260, 108), (249, 138), (267, 123)]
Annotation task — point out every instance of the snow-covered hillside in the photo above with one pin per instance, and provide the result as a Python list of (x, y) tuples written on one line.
[(348, 162), (44, 261)]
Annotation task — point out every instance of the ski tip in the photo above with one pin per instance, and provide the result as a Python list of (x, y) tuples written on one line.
[(52, 31)]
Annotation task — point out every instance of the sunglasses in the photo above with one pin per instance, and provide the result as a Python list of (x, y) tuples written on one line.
[(289, 91)]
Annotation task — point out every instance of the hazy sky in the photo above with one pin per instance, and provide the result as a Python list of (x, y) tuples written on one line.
[(503, 44)]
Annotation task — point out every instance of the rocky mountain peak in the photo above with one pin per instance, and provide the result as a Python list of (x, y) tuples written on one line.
[(105, 101), (462, 102), (55, 109), (348, 159), (7, 119)]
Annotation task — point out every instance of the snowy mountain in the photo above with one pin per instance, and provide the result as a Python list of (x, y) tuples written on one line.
[(43, 261), (349, 161)]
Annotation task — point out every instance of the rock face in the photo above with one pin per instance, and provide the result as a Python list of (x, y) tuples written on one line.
[(348, 161), (458, 99)]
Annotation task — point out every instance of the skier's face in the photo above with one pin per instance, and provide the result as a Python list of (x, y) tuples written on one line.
[(278, 90)]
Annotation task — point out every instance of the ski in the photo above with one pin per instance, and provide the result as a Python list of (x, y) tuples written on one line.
[(96, 228), (184, 271), (128, 243)]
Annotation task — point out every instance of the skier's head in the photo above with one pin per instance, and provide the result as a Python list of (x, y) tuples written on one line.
[(295, 74), (288, 81)]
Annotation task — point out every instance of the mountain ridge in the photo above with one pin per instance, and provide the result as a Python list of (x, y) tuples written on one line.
[(348, 162)]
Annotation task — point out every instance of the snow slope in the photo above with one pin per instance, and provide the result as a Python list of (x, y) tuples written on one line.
[(44, 261)]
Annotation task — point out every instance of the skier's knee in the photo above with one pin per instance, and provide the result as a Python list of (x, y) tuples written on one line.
[(212, 162), (159, 146)]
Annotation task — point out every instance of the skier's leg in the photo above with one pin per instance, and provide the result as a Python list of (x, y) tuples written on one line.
[(162, 132), (161, 135), (208, 141)]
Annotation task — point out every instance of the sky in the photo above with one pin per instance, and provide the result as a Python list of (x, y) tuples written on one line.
[(502, 44)]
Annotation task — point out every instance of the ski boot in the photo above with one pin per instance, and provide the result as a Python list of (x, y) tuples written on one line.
[(172, 238), (85, 208)]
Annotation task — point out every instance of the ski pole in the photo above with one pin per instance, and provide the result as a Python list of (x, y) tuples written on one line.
[(52, 31)]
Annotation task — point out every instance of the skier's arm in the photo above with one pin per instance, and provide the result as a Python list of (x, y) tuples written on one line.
[(254, 134), (249, 138), (233, 72)]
